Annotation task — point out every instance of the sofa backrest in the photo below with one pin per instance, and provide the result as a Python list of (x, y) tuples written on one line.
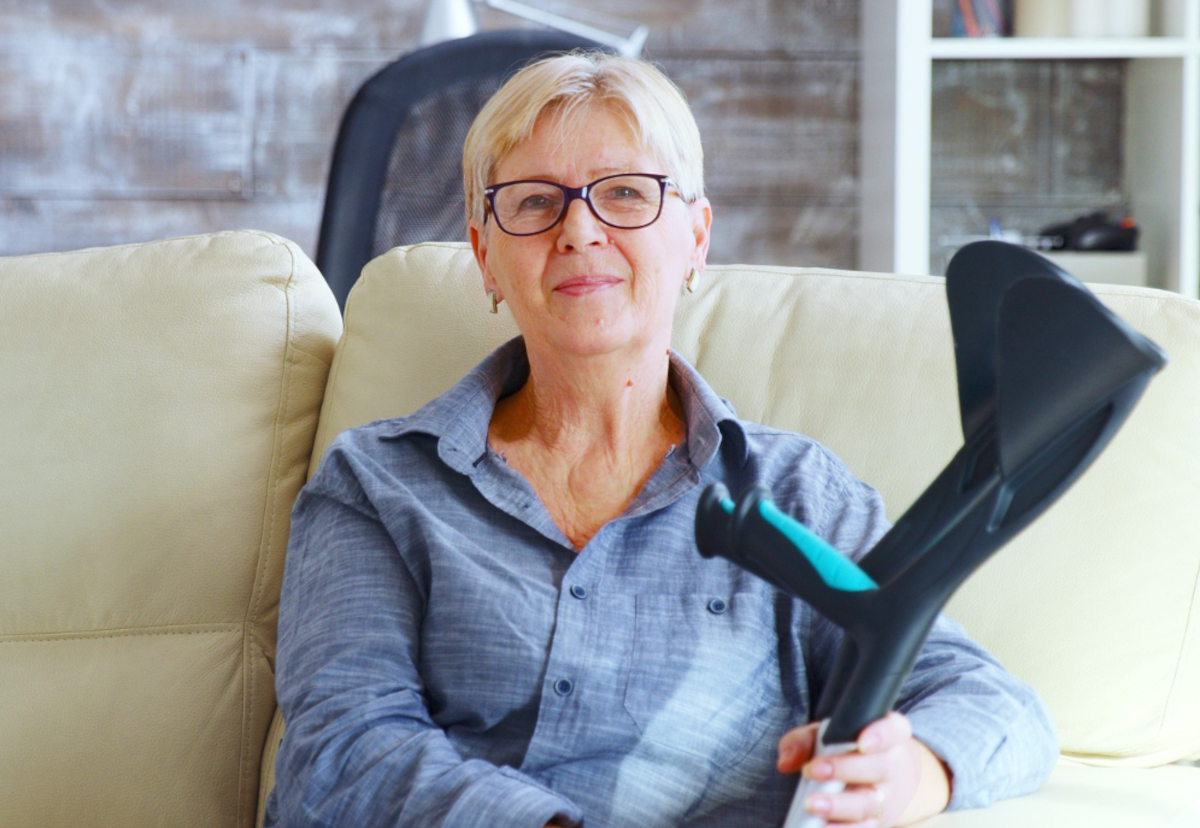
[(157, 408), (1096, 604)]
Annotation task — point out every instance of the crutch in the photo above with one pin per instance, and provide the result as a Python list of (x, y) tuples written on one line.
[(1046, 375)]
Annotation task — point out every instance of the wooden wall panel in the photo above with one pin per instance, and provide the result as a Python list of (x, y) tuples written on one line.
[(122, 121), (1087, 107), (773, 127), (790, 233), (1023, 143), (301, 97), (82, 121), (991, 128), (281, 24), (1027, 129), (125, 121)]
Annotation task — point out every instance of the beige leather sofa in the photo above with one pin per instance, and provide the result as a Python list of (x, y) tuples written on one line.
[(160, 405)]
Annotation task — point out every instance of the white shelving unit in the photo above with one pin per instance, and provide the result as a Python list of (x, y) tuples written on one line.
[(1162, 131)]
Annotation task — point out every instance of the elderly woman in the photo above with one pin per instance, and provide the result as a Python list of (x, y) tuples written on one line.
[(494, 612)]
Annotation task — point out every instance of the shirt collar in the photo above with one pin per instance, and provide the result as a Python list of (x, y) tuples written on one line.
[(708, 416), (459, 418)]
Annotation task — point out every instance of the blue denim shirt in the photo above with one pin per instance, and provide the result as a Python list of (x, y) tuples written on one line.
[(446, 658)]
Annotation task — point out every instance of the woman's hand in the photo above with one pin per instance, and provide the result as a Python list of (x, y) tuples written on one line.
[(891, 779)]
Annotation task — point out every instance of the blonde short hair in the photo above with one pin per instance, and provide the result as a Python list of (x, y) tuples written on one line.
[(655, 109)]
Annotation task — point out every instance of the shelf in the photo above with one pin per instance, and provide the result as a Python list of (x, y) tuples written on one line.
[(1160, 118), (1058, 48)]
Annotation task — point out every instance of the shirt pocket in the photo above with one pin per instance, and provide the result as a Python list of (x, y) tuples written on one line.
[(704, 676)]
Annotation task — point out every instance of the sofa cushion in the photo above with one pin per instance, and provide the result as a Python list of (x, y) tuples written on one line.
[(1095, 605), (157, 408)]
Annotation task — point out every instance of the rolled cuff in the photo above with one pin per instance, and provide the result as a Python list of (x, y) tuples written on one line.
[(988, 764), (509, 799)]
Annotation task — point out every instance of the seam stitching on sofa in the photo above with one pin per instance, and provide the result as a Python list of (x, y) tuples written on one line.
[(248, 679), (134, 245), (280, 439), (19, 638), (1187, 634), (289, 246), (311, 355), (273, 238), (270, 518)]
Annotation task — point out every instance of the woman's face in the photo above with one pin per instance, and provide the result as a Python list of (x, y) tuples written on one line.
[(583, 288)]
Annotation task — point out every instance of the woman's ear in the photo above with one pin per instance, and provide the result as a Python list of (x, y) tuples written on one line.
[(701, 225), (478, 237)]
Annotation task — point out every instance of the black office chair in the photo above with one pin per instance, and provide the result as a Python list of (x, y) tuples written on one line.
[(396, 176)]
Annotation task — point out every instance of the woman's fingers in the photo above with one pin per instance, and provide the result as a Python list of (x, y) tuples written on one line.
[(797, 745), (851, 768), (881, 734), (880, 776), (867, 765), (796, 748), (852, 806)]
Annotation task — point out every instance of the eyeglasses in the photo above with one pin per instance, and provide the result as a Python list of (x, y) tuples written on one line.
[(626, 201)]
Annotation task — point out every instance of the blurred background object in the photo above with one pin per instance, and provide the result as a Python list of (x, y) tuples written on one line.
[(1110, 18), (1041, 18), (449, 19), (981, 18), (1081, 18), (1095, 231)]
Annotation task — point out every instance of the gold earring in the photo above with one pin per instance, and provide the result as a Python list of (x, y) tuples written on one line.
[(495, 308), (692, 279)]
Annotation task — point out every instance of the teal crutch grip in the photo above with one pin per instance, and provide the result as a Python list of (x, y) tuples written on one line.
[(835, 569)]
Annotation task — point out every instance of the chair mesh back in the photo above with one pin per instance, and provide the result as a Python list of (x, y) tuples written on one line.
[(422, 197), (396, 176)]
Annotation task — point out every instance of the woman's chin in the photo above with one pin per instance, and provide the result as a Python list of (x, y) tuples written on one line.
[(599, 336)]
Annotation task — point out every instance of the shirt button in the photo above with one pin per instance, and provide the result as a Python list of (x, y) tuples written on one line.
[(717, 606), (563, 687), (578, 591)]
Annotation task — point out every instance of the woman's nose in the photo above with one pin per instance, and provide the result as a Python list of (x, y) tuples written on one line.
[(581, 228)]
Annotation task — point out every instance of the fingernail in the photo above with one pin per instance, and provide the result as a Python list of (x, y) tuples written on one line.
[(868, 743), (819, 805), (818, 770)]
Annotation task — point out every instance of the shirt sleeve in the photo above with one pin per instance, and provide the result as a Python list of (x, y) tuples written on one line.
[(360, 747), (991, 729)]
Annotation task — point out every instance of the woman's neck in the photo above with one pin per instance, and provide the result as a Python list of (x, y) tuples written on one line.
[(608, 403), (587, 435)]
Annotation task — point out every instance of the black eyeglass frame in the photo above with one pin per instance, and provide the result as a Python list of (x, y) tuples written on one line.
[(583, 194)]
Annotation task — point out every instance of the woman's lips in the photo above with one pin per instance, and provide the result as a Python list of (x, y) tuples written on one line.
[(582, 285)]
